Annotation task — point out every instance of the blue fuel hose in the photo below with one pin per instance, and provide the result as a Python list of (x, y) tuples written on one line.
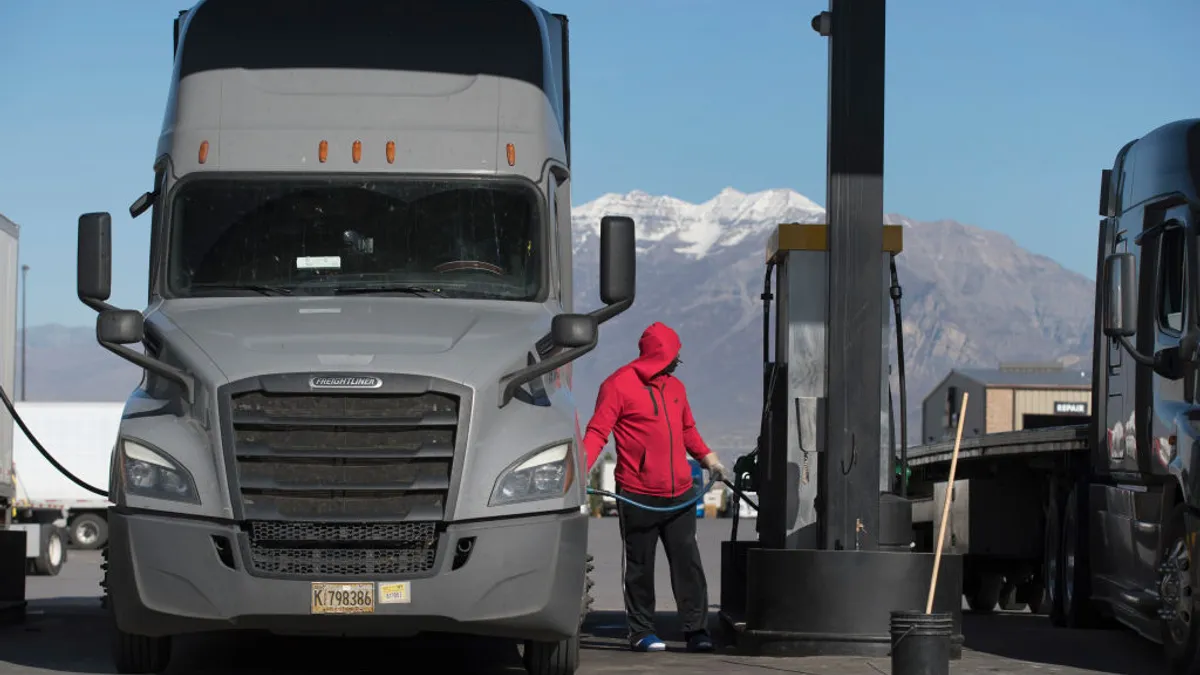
[(677, 507)]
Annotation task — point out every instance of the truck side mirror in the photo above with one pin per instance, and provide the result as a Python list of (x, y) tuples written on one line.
[(576, 333), (618, 266), (94, 261), (120, 326), (572, 331), (1120, 300)]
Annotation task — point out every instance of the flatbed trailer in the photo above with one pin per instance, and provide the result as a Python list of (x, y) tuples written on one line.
[(1027, 442), (997, 516)]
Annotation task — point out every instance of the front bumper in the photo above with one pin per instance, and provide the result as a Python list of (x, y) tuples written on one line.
[(524, 580)]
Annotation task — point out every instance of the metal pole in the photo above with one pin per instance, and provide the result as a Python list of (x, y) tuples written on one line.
[(24, 325), (854, 199)]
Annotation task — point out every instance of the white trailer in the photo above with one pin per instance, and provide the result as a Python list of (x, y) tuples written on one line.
[(81, 438), (12, 540), (32, 538)]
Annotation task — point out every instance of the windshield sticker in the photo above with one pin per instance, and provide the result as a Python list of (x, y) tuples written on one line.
[(321, 262)]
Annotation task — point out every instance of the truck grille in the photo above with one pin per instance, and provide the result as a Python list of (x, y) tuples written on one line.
[(327, 550), (343, 484)]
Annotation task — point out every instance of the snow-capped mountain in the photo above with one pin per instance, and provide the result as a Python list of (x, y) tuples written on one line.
[(971, 297)]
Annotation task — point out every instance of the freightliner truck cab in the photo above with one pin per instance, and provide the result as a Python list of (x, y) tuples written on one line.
[(1128, 534), (356, 416)]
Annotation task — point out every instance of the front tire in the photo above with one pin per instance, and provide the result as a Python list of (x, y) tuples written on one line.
[(140, 654), (133, 654), (1176, 579), (552, 658)]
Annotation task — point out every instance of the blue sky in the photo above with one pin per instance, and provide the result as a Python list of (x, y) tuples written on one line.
[(999, 114)]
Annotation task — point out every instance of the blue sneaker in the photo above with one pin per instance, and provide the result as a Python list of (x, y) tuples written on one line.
[(650, 643)]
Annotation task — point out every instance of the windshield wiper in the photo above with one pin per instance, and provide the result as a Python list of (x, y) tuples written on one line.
[(388, 288), (254, 288)]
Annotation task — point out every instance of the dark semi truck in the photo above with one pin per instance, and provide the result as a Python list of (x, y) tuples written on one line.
[(1096, 523)]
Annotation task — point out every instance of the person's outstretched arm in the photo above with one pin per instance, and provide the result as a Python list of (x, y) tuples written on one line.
[(608, 408)]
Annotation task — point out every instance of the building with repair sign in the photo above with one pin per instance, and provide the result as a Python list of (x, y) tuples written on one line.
[(1010, 397)]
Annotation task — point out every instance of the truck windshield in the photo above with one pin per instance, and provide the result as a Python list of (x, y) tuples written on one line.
[(296, 236)]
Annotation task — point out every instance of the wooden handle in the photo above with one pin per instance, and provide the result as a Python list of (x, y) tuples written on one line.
[(941, 540)]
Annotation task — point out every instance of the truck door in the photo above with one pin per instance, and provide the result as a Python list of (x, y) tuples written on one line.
[(1171, 316), (1161, 397)]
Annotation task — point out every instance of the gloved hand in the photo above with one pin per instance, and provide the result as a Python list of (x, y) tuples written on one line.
[(715, 468)]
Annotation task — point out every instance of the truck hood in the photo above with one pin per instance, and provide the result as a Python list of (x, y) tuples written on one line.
[(467, 341)]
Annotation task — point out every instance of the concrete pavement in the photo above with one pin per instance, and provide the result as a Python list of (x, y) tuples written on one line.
[(66, 633)]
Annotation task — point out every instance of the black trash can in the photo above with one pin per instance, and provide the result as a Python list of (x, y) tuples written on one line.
[(921, 642)]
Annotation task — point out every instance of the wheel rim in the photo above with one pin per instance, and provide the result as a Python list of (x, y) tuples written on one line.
[(86, 533), (1175, 589), (54, 551)]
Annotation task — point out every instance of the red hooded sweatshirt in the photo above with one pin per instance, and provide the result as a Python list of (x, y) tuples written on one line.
[(648, 414)]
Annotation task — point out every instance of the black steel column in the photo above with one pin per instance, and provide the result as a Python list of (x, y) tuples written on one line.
[(826, 601), (854, 199)]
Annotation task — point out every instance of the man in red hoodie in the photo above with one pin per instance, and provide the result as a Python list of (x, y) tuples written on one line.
[(646, 409)]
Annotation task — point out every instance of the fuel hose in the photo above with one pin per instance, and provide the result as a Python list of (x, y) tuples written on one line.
[(676, 507), (12, 410)]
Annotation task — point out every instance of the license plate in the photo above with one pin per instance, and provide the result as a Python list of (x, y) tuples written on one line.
[(328, 598)]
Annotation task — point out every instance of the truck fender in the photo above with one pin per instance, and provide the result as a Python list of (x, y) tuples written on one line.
[(1176, 453)]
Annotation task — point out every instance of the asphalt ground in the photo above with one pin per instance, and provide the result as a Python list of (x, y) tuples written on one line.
[(66, 632)]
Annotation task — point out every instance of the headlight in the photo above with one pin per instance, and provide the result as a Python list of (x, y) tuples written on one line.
[(542, 474), (150, 473)]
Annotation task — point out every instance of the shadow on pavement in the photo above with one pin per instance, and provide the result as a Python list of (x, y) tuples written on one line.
[(1030, 638), (71, 635), (248, 653), (59, 634)]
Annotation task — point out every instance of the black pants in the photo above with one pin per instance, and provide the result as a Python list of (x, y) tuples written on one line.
[(641, 531)]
